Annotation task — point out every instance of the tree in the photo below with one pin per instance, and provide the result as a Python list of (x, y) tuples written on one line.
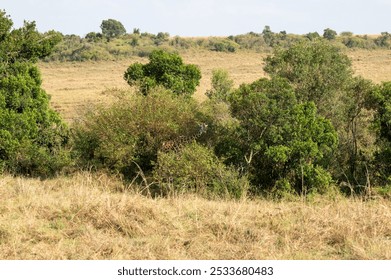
[(321, 73), (382, 103), (32, 135), (283, 143), (312, 36), (222, 85), (329, 34), (164, 69), (384, 40), (318, 72), (112, 28)]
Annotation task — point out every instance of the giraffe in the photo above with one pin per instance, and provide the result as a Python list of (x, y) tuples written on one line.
[(176, 145)]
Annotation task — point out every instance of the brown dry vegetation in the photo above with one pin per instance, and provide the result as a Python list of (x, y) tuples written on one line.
[(92, 217), (73, 86)]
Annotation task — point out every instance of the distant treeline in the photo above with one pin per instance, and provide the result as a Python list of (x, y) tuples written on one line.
[(114, 43)]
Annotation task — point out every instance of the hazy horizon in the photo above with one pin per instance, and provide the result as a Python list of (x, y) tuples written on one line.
[(204, 18)]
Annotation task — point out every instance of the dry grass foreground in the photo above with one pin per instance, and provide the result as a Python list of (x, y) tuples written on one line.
[(75, 86), (87, 216)]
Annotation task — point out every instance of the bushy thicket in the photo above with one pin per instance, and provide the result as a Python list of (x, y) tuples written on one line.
[(164, 69), (132, 137), (32, 135)]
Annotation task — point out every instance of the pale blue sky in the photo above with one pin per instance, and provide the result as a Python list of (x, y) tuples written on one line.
[(205, 17)]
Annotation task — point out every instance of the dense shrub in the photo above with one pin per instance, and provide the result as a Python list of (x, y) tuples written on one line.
[(32, 135), (112, 28), (134, 129), (382, 103), (281, 139), (164, 69), (222, 85), (195, 168)]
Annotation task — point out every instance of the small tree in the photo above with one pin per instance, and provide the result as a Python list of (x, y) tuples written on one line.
[(317, 70), (112, 28), (329, 34), (31, 134), (282, 143), (382, 98), (164, 69), (222, 85)]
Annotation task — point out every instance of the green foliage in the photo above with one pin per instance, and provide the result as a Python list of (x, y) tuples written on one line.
[(161, 37), (222, 45), (197, 169), (222, 85), (382, 102), (165, 69), (281, 139), (329, 34), (112, 28), (312, 36), (384, 40), (32, 135), (134, 129), (318, 71), (94, 37)]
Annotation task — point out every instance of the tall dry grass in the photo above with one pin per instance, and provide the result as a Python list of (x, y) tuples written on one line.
[(88, 216)]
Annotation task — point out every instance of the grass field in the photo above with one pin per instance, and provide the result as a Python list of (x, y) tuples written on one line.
[(73, 86), (90, 217)]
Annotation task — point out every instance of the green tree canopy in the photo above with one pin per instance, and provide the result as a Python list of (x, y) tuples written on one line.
[(164, 69), (112, 28), (31, 134), (329, 34), (318, 72), (382, 98), (284, 143)]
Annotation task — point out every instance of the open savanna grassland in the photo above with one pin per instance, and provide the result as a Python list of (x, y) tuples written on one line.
[(77, 85), (87, 216)]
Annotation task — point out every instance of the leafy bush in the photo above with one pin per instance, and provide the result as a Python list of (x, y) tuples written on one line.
[(112, 28), (222, 85), (32, 136), (134, 129), (222, 45), (382, 103), (195, 168), (317, 70), (281, 139), (165, 69)]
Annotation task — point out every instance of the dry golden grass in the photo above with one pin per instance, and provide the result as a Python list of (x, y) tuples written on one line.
[(74, 86), (86, 217)]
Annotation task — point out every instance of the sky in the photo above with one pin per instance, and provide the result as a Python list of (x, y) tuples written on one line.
[(204, 17)]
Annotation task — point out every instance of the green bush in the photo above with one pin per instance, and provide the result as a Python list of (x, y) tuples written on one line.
[(164, 69), (112, 28), (32, 135), (222, 85), (222, 45), (280, 138), (196, 169), (382, 103), (134, 129)]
